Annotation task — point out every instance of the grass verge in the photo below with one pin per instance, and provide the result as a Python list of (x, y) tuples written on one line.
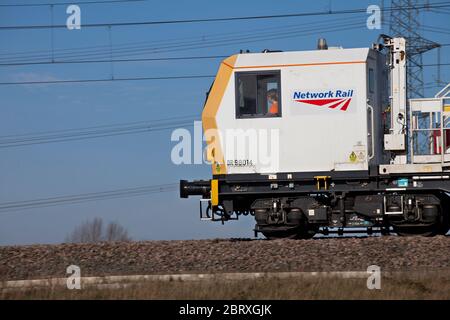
[(430, 285)]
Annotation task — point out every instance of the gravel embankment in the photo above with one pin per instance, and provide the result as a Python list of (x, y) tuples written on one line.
[(391, 253)]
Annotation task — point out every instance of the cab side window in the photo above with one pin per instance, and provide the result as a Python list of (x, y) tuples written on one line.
[(258, 94)]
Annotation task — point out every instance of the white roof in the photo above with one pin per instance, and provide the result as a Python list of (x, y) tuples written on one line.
[(273, 59)]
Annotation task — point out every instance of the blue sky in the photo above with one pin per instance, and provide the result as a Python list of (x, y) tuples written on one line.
[(75, 167)]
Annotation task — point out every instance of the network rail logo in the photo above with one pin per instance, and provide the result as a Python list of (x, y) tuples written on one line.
[(331, 99)]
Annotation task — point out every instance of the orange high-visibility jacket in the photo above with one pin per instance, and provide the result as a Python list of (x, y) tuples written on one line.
[(273, 108)]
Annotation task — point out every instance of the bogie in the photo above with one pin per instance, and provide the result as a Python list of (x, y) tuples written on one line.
[(301, 217)]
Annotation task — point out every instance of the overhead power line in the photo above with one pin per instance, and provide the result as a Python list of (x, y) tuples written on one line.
[(243, 18), (436, 30), (127, 60), (441, 11), (42, 4), (436, 64), (113, 60), (102, 131), (329, 29), (2, 137), (153, 47), (203, 37), (85, 197), (114, 79), (106, 80), (439, 85)]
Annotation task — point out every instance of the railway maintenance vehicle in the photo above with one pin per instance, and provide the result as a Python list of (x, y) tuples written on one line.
[(325, 141)]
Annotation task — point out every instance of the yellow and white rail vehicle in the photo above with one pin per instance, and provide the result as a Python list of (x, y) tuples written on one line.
[(351, 151)]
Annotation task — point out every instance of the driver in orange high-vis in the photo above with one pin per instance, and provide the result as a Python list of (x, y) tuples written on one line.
[(272, 98)]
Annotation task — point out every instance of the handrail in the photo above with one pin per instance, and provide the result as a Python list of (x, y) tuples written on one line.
[(372, 153)]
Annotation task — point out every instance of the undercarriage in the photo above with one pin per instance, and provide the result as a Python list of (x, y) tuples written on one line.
[(300, 207)]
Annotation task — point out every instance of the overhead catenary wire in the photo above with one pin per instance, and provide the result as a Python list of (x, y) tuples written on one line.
[(144, 78), (203, 37), (44, 4), (153, 47), (127, 50), (166, 41), (438, 85), (131, 51), (133, 60), (85, 197), (121, 79), (434, 5), (95, 132), (435, 30), (116, 60), (436, 64), (128, 60), (121, 124), (106, 80), (441, 11)]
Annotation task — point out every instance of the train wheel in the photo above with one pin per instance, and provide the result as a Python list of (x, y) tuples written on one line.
[(445, 224), (416, 231), (440, 226), (444, 230)]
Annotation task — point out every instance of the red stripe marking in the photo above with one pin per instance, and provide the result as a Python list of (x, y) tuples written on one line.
[(345, 106), (319, 102), (336, 104)]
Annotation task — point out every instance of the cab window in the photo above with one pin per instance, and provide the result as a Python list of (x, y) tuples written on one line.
[(258, 94)]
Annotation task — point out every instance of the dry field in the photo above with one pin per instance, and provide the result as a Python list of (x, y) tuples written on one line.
[(396, 286)]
